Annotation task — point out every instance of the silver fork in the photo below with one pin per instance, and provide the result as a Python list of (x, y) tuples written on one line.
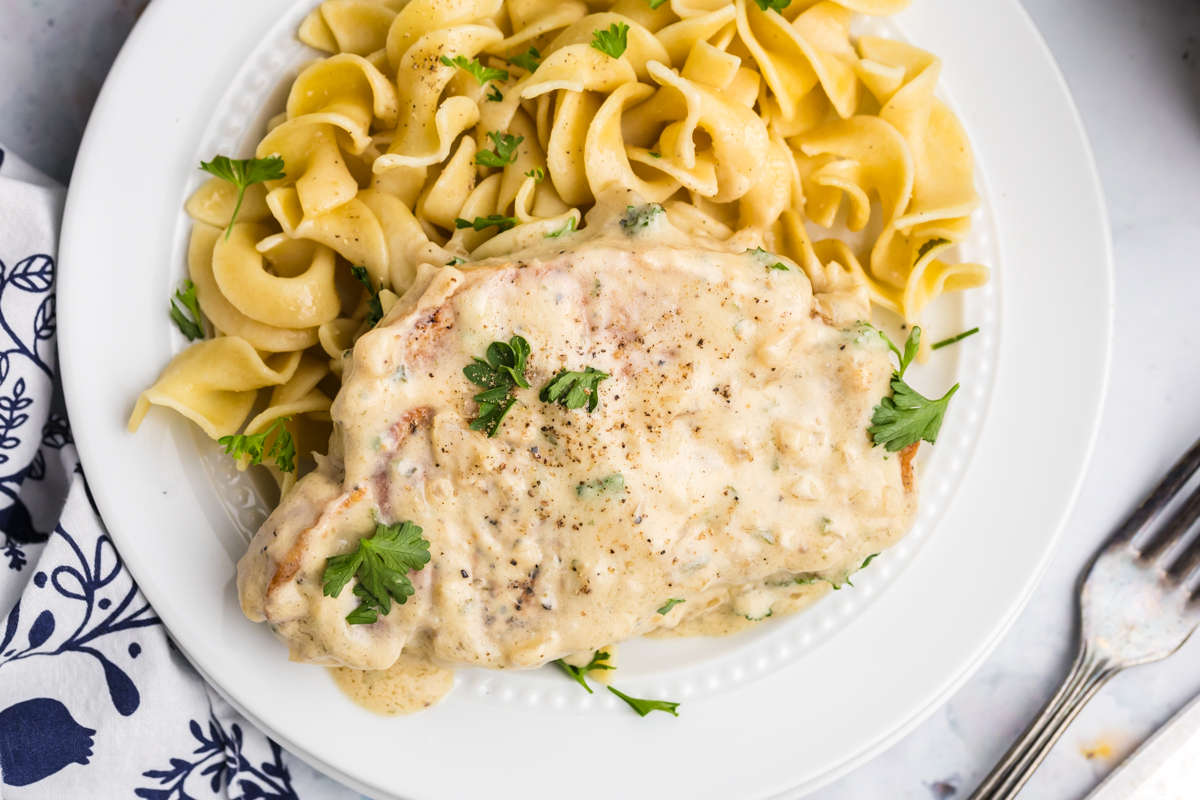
[(1135, 607)]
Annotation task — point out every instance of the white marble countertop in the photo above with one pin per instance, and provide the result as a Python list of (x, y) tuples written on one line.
[(1131, 65)]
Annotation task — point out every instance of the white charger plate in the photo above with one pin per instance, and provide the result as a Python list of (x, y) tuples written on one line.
[(776, 712)]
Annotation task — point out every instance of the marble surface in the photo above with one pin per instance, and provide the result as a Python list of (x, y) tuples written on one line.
[(1131, 65)]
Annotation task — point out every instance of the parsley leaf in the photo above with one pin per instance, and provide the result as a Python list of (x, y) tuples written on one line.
[(654, 4), (253, 446), (373, 302), (778, 5), (644, 707), (191, 328), (481, 73), (493, 95), (527, 61), (670, 604), (243, 173), (454, 262), (483, 223), (537, 173), (613, 41), (654, 154), (868, 560), (506, 151), (907, 417), (499, 375), (954, 339), (578, 673), (381, 562), (568, 228), (574, 389)]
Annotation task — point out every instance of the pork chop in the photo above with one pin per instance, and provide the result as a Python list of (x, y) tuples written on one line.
[(727, 465)]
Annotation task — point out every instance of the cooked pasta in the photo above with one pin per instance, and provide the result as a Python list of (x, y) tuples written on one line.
[(435, 132)]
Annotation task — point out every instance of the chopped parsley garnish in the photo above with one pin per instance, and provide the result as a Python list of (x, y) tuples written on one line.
[(925, 248), (506, 150), (574, 389), (868, 560), (243, 173), (764, 256), (613, 41), (644, 707), (254, 446), (481, 73), (381, 563), (907, 417), (637, 217), (499, 375), (374, 304), (189, 327), (598, 662), (953, 339), (483, 223), (808, 579), (537, 173), (493, 95), (568, 228), (654, 154), (528, 61), (670, 604), (454, 262), (778, 5), (655, 4)]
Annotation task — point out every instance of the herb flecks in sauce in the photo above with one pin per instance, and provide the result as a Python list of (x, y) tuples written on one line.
[(674, 601), (613, 483), (771, 262), (639, 218)]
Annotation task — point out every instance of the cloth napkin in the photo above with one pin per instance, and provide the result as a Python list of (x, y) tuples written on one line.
[(95, 700)]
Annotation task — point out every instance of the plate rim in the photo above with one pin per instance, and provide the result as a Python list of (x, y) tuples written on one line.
[(73, 349)]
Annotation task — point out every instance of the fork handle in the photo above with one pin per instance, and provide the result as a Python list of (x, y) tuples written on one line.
[(1088, 673)]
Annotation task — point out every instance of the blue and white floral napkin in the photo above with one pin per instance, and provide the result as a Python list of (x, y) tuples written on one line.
[(95, 700)]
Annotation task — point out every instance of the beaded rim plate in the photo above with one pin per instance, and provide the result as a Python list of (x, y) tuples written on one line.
[(867, 662)]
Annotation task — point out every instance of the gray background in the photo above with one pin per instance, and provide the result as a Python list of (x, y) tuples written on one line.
[(1131, 65)]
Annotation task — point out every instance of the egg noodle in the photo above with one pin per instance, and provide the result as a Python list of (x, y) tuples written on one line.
[(751, 122)]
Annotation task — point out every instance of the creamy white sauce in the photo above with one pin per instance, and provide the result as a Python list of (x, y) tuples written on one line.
[(735, 419), (411, 684)]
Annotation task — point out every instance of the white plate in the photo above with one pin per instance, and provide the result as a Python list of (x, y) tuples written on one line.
[(773, 713)]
